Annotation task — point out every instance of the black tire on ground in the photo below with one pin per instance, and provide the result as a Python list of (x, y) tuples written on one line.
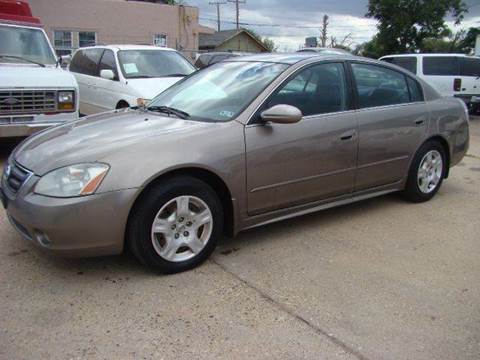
[(138, 235), (122, 105), (475, 109), (412, 190)]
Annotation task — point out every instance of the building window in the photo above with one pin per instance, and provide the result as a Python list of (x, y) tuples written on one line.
[(87, 38), (63, 42), (160, 40)]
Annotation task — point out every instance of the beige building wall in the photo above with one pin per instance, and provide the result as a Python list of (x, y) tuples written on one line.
[(121, 22)]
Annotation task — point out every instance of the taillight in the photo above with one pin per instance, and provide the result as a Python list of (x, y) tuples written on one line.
[(457, 84)]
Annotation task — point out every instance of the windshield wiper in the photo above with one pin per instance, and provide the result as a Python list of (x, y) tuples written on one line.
[(22, 58), (169, 110), (175, 75), (139, 77)]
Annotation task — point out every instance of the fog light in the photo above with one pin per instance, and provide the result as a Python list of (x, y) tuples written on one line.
[(42, 238)]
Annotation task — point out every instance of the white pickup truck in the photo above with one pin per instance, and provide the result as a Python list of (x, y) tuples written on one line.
[(35, 92)]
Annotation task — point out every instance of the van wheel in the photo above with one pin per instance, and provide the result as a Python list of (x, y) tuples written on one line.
[(176, 224), (426, 172)]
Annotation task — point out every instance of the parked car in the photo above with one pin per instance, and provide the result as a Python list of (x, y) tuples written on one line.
[(210, 58), (119, 76), (240, 144), (35, 92), (325, 51), (455, 75)]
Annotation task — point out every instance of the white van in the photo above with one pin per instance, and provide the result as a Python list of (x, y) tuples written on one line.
[(117, 76), (455, 75), (35, 92)]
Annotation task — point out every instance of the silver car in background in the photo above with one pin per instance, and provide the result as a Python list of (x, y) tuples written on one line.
[(243, 143)]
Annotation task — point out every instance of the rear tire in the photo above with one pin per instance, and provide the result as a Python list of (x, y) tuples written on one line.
[(426, 173), (175, 225)]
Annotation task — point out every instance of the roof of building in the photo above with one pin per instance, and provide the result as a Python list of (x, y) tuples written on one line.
[(219, 37), (202, 29)]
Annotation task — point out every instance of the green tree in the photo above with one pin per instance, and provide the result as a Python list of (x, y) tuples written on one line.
[(467, 45), (404, 24), (372, 49)]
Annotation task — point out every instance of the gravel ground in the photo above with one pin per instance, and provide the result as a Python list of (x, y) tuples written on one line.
[(380, 279)]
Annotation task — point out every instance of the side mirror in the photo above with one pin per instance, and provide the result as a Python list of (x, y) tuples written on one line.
[(282, 114), (64, 60), (107, 74)]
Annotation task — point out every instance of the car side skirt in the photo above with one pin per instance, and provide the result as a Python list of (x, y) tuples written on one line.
[(304, 209)]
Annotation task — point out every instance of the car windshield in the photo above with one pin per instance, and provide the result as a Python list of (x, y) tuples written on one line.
[(153, 63), (24, 45), (220, 92)]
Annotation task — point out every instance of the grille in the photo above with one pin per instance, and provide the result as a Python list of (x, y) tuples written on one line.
[(27, 101), (16, 178)]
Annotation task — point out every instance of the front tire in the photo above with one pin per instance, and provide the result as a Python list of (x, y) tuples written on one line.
[(175, 225), (426, 173)]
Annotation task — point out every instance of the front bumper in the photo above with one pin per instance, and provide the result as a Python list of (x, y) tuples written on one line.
[(40, 122), (85, 226)]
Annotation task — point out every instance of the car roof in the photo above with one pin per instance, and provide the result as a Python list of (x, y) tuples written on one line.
[(290, 58), (428, 54), (129, 47), (324, 49)]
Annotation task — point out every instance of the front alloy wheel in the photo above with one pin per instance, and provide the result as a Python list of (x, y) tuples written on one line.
[(175, 224), (182, 228)]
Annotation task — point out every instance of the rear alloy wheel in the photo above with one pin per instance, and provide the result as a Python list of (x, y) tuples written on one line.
[(176, 224), (426, 172), (430, 172)]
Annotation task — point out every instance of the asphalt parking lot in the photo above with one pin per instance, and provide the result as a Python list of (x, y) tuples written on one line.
[(380, 279)]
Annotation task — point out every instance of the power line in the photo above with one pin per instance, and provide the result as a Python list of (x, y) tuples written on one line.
[(217, 3), (237, 9), (285, 25)]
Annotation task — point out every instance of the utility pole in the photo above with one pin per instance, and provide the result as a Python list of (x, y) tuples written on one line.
[(217, 3), (237, 6)]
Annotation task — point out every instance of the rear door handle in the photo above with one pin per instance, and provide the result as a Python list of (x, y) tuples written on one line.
[(419, 122), (348, 135)]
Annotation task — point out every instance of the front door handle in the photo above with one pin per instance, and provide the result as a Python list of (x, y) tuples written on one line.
[(348, 135)]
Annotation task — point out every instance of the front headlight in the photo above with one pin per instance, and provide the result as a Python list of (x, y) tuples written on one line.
[(73, 180), (66, 100)]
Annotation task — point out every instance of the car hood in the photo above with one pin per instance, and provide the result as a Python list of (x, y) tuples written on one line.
[(96, 137), (149, 88), (27, 76)]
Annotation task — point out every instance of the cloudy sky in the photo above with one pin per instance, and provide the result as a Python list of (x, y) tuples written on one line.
[(288, 22)]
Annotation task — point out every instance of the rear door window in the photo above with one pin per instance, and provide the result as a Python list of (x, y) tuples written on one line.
[(379, 86), (407, 62), (470, 67), (440, 65), (86, 61)]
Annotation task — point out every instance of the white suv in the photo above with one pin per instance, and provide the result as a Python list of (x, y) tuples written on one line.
[(455, 75), (117, 76)]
